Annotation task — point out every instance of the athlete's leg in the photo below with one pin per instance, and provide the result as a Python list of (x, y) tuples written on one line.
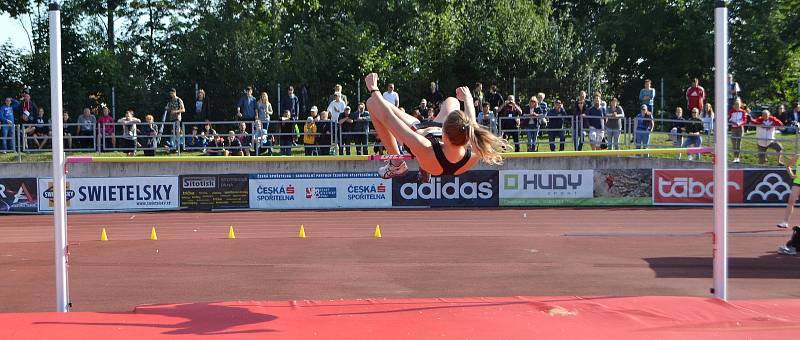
[(790, 206)]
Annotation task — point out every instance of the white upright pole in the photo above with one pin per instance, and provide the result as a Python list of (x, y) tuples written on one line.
[(720, 289), (59, 182)]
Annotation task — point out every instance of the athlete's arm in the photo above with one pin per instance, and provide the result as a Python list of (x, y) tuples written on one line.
[(463, 94)]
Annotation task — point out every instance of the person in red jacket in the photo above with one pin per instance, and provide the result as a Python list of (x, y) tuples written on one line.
[(695, 96), (737, 118), (766, 125)]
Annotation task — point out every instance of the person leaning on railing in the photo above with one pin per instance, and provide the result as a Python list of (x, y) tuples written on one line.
[(128, 131), (310, 137), (693, 128), (555, 125)]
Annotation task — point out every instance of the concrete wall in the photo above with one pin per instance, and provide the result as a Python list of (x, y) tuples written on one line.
[(43, 169)]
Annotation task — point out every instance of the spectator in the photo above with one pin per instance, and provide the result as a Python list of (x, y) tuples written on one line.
[(201, 107), (216, 146), (647, 95), (737, 119), (175, 110), (245, 139), (325, 131), (434, 97), (595, 116), (262, 140), (233, 145), (695, 96), (129, 131), (346, 127), (86, 128), (423, 105), (678, 129), (765, 134), (780, 113), (430, 115), (27, 106), (361, 129), (642, 126), (391, 96), (487, 118), (614, 116), (530, 123), (246, 108), (708, 118), (510, 114), (107, 125), (794, 119), (555, 125), (335, 109), (578, 121), (337, 89), (734, 91), (287, 133), (542, 104), (694, 126), (195, 141), (310, 136), (477, 93), (209, 132), (7, 122), (41, 130), (290, 103), (495, 98), (27, 130), (149, 131), (264, 110), (66, 132)]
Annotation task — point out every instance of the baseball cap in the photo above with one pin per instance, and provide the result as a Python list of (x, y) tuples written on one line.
[(314, 109), (347, 108)]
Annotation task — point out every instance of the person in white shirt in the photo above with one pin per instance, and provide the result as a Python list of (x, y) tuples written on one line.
[(391, 96), (336, 108)]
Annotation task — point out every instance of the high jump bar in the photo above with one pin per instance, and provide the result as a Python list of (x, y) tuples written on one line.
[(218, 159)]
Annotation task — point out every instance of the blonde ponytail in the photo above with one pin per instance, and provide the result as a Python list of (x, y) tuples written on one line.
[(486, 145)]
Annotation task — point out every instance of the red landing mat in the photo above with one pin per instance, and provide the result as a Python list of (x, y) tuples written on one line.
[(453, 318)]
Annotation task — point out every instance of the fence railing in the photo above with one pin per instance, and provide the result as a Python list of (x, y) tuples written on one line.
[(556, 133)]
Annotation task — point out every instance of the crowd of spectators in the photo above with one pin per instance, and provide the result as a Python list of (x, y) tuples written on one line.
[(258, 128)]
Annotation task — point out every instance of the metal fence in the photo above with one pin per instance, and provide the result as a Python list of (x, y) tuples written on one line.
[(280, 137)]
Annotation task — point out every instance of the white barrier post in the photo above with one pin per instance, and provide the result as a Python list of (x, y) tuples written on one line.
[(59, 167), (720, 237)]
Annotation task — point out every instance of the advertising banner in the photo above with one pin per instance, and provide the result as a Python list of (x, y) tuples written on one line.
[(544, 187), (206, 192), (18, 195), (694, 187), (623, 187), (477, 188), (767, 186), (114, 193), (320, 191)]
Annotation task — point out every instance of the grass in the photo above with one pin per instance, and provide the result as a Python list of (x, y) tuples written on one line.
[(657, 140)]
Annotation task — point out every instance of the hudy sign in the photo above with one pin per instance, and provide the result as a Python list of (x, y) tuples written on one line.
[(692, 187), (546, 184)]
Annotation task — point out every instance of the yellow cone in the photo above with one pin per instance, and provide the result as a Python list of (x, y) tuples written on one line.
[(231, 234), (302, 232), (103, 235), (378, 231), (153, 235)]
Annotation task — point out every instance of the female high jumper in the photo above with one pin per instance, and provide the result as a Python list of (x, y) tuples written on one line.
[(451, 146)]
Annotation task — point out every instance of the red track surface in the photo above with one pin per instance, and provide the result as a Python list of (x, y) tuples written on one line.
[(423, 254)]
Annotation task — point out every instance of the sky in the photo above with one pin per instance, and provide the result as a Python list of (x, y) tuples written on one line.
[(12, 29)]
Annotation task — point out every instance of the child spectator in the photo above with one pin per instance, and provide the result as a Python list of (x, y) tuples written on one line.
[(233, 144), (765, 134), (642, 126), (149, 131), (708, 118), (245, 139), (324, 132), (128, 131), (287, 133), (87, 122), (310, 137)]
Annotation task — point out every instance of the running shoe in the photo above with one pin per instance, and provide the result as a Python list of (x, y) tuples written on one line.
[(391, 170), (787, 250), (782, 225)]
